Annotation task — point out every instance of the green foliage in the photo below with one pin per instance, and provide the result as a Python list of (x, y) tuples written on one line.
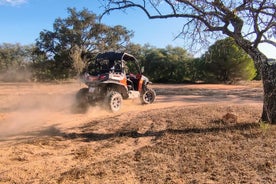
[(169, 65), (79, 30), (14, 62), (197, 69), (58, 55), (138, 52), (165, 65), (225, 61)]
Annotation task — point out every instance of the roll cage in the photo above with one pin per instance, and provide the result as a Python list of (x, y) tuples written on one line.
[(118, 62)]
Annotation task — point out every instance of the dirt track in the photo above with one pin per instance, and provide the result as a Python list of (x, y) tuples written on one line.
[(29, 105), (181, 138)]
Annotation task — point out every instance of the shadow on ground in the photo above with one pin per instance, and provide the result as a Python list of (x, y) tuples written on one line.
[(53, 131)]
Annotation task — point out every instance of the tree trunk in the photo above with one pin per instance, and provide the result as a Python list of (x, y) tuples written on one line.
[(268, 75), (269, 86)]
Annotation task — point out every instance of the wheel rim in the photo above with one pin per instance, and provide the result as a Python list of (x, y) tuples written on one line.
[(116, 103), (148, 97)]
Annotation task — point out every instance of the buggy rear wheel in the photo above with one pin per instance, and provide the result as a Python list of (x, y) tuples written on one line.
[(81, 104), (148, 96), (113, 101)]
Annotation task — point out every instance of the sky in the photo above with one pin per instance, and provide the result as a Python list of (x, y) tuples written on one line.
[(21, 21)]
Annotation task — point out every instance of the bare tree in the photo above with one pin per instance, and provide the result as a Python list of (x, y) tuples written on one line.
[(248, 22)]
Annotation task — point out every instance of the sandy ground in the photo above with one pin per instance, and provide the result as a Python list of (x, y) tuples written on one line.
[(28, 105), (42, 141)]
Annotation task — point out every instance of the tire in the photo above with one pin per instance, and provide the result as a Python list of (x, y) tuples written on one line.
[(148, 96), (81, 104), (113, 101)]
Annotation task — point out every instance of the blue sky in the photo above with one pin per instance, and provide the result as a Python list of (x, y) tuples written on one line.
[(22, 20)]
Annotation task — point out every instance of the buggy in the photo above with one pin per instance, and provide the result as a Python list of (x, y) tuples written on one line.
[(109, 81)]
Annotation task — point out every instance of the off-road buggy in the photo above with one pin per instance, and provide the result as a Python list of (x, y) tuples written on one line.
[(109, 81)]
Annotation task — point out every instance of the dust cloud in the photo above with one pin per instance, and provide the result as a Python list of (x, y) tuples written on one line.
[(16, 75), (33, 111), (27, 108)]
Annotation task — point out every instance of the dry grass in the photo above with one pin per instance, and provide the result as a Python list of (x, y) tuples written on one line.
[(182, 144)]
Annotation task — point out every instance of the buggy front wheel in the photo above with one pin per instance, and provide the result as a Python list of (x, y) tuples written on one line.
[(148, 96)]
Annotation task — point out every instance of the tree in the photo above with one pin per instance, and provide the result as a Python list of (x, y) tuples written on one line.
[(197, 71), (82, 32), (157, 67), (248, 22), (168, 64), (76, 56), (227, 62), (14, 61)]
